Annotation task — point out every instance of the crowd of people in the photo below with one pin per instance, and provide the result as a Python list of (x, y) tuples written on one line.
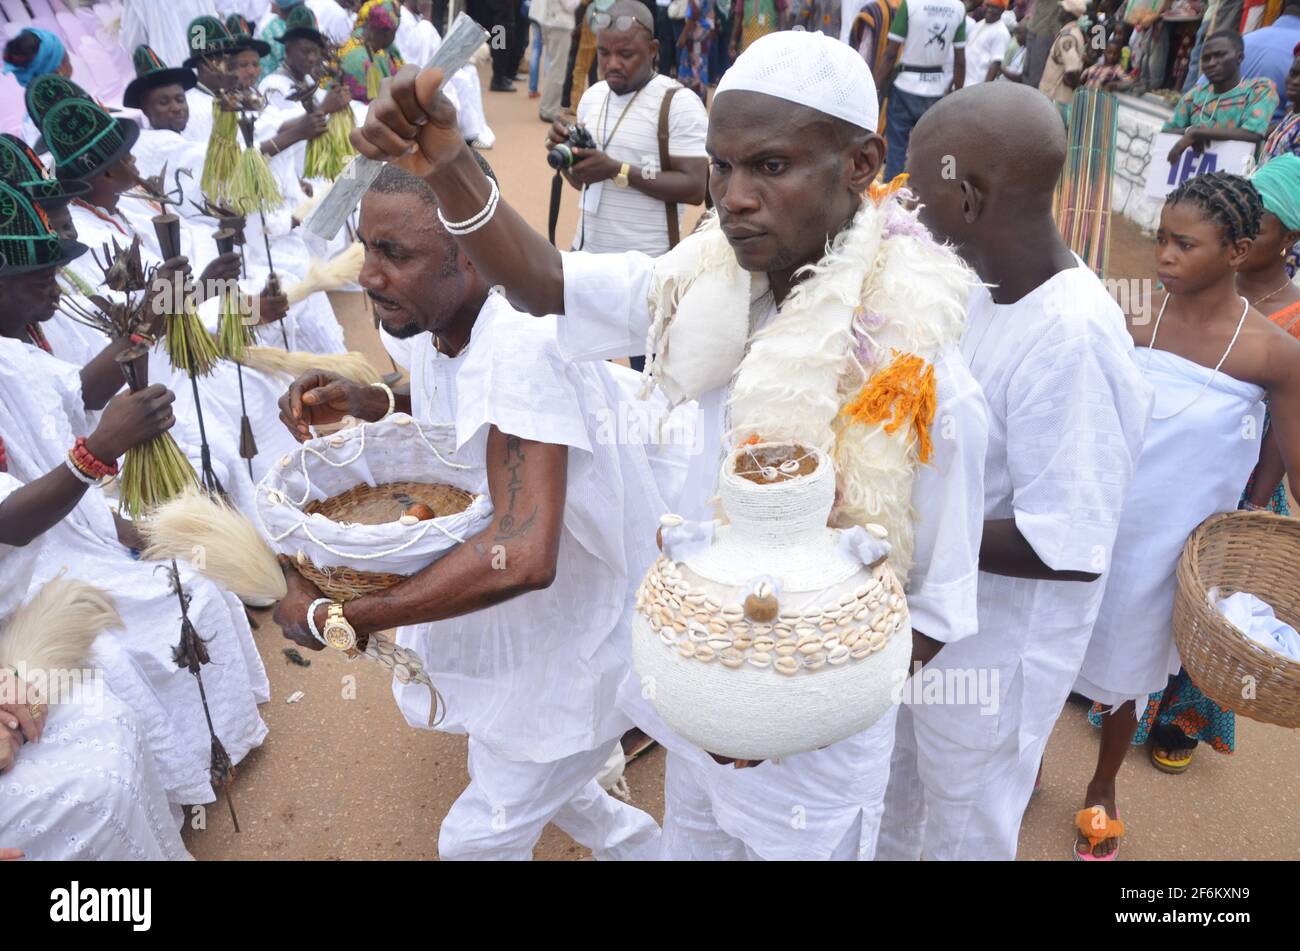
[(862, 220)]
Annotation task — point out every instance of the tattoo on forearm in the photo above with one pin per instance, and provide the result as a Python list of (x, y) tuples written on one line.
[(510, 525)]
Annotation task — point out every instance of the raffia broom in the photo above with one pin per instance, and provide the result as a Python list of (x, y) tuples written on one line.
[(351, 365), (222, 155), (234, 336), (328, 154), (189, 345), (154, 472), (252, 186)]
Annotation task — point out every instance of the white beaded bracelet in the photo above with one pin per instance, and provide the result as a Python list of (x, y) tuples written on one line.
[(470, 225), (392, 400), (311, 618), (81, 475)]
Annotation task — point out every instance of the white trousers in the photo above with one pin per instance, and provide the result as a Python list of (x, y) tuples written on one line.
[(555, 61), (502, 813), (718, 814), (692, 834), (950, 802)]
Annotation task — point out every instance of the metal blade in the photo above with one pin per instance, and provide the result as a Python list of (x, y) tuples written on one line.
[(464, 37)]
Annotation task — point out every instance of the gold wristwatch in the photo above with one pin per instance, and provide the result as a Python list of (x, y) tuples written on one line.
[(339, 634), (620, 180)]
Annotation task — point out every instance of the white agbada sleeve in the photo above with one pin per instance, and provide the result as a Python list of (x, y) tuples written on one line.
[(513, 380), (948, 497), (606, 314), (1071, 455)]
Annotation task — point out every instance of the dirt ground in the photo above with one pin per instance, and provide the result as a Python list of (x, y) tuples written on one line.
[(341, 776)]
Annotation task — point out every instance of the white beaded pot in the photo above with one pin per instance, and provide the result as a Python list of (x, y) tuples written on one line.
[(735, 682)]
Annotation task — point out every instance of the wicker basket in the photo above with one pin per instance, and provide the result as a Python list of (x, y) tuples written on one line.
[(1255, 552), (359, 504)]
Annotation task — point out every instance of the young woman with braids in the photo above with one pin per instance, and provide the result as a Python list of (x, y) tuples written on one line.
[(1213, 360)]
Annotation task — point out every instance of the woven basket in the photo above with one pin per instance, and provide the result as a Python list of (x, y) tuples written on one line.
[(359, 504), (1255, 552)]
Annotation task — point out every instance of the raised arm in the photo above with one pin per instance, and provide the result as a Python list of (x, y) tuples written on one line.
[(515, 554), (414, 125)]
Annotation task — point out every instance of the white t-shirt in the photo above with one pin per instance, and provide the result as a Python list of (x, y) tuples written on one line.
[(985, 45), (624, 219), (929, 31)]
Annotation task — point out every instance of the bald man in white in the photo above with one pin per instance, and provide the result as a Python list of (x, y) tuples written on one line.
[(793, 144)]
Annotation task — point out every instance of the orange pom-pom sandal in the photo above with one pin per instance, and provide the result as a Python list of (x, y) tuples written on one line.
[(1096, 826)]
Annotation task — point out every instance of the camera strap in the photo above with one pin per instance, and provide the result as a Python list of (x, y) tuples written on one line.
[(665, 165), (553, 215)]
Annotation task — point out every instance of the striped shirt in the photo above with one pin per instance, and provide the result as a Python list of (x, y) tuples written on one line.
[(625, 219)]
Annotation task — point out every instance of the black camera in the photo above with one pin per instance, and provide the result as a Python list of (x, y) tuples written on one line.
[(561, 154)]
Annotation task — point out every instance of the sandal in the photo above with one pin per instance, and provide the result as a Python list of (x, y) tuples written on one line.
[(1171, 748), (1096, 826), (1171, 762)]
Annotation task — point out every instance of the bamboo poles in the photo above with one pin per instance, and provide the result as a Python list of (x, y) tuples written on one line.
[(1082, 202)]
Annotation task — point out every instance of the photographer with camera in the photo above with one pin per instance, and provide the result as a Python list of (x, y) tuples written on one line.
[(636, 150)]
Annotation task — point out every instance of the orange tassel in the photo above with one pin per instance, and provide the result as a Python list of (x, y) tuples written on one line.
[(901, 394), (879, 191)]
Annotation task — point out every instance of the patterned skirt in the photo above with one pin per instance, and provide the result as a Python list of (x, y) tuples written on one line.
[(1181, 716)]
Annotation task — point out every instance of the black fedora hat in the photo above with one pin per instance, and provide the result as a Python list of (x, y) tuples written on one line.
[(27, 242), (84, 140), (150, 73), (20, 168)]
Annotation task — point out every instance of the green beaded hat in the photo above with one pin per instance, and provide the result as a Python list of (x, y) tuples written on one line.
[(20, 168), (45, 91), (300, 24), (27, 242), (150, 73), (241, 36), (207, 36), (84, 140)]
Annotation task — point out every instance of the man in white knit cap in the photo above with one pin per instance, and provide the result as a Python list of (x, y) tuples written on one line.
[(793, 143)]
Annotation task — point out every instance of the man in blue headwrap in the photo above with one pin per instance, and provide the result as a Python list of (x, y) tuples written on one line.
[(35, 52)]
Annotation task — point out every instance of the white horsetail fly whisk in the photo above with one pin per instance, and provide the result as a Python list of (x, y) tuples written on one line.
[(464, 37)]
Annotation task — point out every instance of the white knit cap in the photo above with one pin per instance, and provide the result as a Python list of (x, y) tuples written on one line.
[(811, 69)]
